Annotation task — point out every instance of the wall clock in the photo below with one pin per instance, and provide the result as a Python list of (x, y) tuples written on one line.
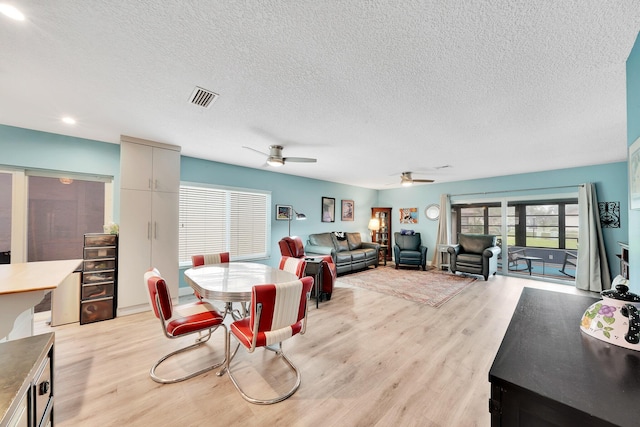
[(432, 212)]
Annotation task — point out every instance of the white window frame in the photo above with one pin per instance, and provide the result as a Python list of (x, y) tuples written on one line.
[(223, 229)]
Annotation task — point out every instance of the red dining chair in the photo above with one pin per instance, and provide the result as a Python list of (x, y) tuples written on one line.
[(179, 321), (206, 259), (278, 312), (292, 246), (293, 265)]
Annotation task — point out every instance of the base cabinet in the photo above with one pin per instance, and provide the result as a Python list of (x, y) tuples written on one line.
[(27, 395), (548, 373)]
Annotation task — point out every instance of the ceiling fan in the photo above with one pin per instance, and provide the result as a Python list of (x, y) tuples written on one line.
[(406, 179), (275, 159)]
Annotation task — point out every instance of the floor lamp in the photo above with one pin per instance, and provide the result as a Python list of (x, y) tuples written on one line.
[(299, 216)]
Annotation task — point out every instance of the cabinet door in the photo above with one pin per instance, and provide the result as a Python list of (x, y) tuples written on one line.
[(166, 170), (134, 254), (136, 166), (164, 239)]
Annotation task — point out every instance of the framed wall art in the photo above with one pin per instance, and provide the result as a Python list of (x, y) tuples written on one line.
[(408, 215), (347, 210), (328, 209), (283, 212)]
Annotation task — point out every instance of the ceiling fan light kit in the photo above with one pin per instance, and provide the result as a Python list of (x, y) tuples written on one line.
[(275, 159), (407, 180)]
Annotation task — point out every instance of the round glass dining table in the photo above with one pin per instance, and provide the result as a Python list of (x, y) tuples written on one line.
[(233, 281)]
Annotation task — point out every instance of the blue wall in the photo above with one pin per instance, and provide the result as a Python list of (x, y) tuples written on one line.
[(610, 180), (633, 133), (33, 149)]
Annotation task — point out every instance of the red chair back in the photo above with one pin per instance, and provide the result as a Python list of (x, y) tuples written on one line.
[(293, 265), (159, 294), (283, 308), (291, 246), (205, 259)]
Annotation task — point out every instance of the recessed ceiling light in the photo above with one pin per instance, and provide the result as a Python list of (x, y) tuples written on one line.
[(69, 120), (11, 12)]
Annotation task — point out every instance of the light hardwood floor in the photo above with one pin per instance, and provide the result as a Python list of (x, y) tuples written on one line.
[(366, 360)]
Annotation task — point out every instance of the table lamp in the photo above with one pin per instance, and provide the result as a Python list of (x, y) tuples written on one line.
[(374, 225)]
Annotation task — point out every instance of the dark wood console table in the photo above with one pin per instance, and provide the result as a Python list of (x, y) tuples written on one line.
[(548, 373)]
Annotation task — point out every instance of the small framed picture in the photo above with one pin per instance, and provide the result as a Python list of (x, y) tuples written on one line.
[(283, 212), (328, 209), (347, 210)]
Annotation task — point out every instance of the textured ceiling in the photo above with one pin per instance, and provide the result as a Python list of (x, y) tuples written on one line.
[(369, 88)]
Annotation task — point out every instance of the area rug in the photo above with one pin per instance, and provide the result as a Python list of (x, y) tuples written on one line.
[(433, 287)]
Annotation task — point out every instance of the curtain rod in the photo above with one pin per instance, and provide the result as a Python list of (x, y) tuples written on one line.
[(525, 189)]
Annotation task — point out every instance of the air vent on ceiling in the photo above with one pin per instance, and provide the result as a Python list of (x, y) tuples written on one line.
[(203, 97)]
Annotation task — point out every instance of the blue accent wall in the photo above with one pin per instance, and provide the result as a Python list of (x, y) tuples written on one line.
[(633, 133)]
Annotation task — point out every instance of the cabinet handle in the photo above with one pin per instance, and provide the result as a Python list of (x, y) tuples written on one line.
[(155, 184), (150, 184), (148, 230), (155, 230)]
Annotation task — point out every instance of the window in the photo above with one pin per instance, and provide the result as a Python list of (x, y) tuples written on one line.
[(54, 208), (533, 224), (223, 220), (60, 212)]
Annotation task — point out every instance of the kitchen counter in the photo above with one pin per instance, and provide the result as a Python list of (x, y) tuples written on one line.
[(22, 286), (20, 361)]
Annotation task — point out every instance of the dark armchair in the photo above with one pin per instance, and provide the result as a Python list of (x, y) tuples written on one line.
[(408, 250), (475, 254)]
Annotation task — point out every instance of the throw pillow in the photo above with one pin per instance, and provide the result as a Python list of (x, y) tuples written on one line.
[(407, 232)]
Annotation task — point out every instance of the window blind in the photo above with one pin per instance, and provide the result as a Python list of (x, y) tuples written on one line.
[(223, 220)]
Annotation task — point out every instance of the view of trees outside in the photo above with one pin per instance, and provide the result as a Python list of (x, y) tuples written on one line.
[(544, 224)]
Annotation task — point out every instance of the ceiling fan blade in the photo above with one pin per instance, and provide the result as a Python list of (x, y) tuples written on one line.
[(299, 159), (423, 180), (257, 151)]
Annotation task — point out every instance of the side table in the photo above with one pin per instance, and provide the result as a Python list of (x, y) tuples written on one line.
[(383, 252), (445, 262), (314, 268)]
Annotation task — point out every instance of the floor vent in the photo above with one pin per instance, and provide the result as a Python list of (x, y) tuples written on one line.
[(202, 97)]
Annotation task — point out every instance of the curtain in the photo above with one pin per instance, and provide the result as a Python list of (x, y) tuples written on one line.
[(592, 271), (444, 228)]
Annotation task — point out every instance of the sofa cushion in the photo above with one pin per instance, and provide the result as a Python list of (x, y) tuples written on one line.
[(476, 243), (469, 259), (343, 257), (358, 255), (355, 241), (409, 242), (323, 239), (342, 245)]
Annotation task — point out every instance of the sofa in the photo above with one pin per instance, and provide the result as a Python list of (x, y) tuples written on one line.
[(348, 251), (475, 254)]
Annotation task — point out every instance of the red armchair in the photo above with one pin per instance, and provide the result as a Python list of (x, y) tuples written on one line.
[(292, 246)]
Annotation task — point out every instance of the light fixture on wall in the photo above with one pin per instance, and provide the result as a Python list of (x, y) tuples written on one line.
[(299, 217), (66, 181), (374, 226)]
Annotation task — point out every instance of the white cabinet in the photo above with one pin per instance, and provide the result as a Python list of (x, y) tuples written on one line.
[(150, 168), (148, 220)]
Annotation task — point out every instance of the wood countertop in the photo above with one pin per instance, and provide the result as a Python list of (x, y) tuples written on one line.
[(35, 276)]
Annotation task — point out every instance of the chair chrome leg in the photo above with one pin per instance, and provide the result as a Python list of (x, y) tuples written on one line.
[(280, 398), (199, 341)]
